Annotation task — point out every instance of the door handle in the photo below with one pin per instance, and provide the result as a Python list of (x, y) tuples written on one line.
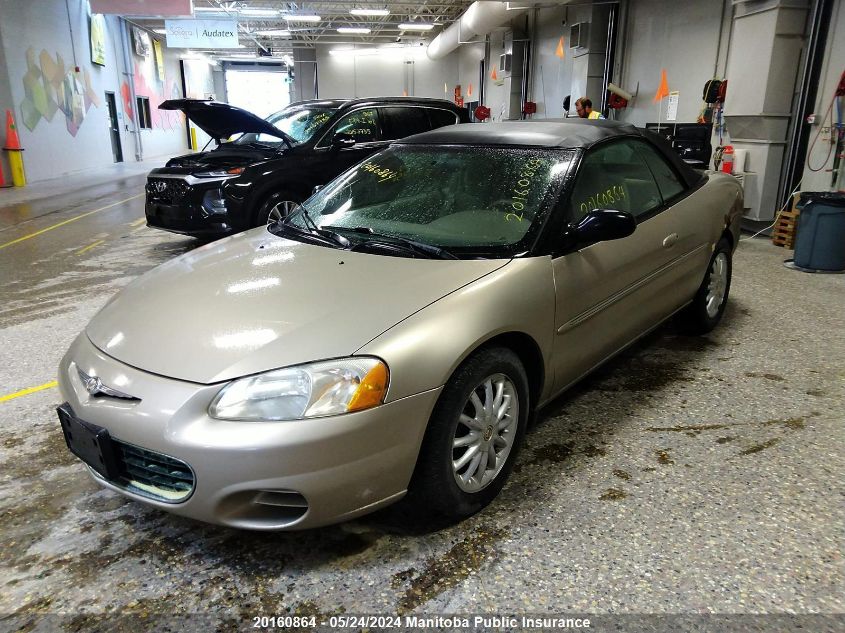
[(669, 240)]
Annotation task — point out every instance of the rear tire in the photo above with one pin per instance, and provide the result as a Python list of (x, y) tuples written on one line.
[(706, 309), (472, 439)]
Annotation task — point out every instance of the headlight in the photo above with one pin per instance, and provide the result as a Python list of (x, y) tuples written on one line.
[(306, 391), (220, 173)]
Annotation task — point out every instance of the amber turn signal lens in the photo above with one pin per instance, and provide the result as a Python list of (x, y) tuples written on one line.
[(371, 391)]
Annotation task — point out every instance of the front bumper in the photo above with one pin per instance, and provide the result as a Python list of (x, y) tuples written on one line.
[(263, 476), (178, 207)]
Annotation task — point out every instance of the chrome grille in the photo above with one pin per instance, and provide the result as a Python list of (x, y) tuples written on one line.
[(153, 474), (167, 190)]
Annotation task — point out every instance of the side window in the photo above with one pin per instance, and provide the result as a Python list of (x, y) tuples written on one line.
[(362, 125), (614, 176), (402, 122), (667, 180), (441, 118)]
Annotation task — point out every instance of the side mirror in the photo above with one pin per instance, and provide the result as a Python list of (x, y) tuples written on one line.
[(341, 140), (599, 225), (316, 189)]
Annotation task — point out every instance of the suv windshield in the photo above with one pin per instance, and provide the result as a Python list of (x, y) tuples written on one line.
[(488, 201), (298, 123)]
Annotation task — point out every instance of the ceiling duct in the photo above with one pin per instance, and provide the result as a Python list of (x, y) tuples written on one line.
[(481, 18)]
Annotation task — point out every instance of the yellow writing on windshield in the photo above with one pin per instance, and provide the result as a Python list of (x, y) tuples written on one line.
[(523, 188), (384, 173)]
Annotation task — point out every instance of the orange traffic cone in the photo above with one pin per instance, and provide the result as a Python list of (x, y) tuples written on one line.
[(14, 149), (13, 141)]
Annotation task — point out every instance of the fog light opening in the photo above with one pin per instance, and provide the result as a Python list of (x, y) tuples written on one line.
[(213, 202)]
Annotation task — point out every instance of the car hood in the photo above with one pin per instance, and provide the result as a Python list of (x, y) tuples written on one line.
[(221, 120), (255, 302), (226, 155)]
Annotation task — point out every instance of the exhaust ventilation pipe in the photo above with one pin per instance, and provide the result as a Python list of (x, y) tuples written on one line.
[(480, 19)]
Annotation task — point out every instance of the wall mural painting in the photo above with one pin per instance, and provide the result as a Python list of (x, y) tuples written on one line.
[(148, 85), (50, 86)]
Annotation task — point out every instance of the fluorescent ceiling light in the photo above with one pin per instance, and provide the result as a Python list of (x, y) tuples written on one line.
[(259, 13), (375, 12), (353, 29), (278, 32), (209, 10), (160, 31), (302, 18), (415, 26)]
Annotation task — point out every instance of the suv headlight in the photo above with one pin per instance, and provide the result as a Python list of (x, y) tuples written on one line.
[(221, 173), (314, 390)]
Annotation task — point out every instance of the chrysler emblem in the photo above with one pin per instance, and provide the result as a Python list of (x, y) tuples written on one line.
[(95, 387)]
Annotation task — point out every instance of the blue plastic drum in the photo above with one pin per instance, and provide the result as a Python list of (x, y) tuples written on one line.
[(820, 244)]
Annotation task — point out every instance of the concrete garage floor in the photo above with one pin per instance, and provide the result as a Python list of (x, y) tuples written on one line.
[(690, 475)]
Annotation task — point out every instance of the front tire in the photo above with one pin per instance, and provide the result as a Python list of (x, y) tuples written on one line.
[(706, 309), (473, 437), (277, 207)]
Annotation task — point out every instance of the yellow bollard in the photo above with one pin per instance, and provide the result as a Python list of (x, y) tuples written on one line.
[(16, 165), (193, 138)]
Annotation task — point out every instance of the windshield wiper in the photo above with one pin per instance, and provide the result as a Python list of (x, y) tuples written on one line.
[(322, 237), (411, 246), (312, 228)]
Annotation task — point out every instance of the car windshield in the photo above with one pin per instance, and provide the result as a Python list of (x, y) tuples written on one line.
[(487, 201), (298, 123)]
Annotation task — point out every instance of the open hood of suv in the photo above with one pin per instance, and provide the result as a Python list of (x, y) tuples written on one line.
[(221, 120)]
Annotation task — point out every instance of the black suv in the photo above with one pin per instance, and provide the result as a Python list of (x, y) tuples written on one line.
[(276, 163)]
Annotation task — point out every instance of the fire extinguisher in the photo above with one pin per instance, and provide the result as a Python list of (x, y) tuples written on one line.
[(728, 159)]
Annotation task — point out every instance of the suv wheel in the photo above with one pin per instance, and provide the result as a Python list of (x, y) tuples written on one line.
[(277, 207)]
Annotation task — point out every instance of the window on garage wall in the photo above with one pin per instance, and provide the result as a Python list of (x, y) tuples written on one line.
[(145, 121)]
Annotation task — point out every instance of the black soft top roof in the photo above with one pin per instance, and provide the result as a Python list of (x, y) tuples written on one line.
[(563, 133)]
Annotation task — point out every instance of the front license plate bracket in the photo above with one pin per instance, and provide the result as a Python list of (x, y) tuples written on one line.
[(90, 443)]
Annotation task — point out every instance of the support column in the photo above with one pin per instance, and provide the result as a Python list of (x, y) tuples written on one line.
[(305, 83), (765, 54)]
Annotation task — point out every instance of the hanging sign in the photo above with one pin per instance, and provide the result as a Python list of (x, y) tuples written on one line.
[(201, 33), (98, 39)]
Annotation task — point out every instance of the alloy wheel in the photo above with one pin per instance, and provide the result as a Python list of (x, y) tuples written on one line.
[(485, 433), (718, 285)]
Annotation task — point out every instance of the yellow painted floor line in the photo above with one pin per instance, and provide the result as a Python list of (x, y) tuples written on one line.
[(26, 392), (138, 222), (73, 219), (89, 247)]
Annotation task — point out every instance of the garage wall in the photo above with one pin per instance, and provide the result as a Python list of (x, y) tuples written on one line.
[(62, 115), (553, 75), (832, 68), (343, 76), (684, 41)]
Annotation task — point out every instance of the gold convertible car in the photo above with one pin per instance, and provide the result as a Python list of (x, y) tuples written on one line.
[(390, 338)]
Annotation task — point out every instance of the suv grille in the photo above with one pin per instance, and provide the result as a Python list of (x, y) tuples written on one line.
[(167, 190), (153, 474)]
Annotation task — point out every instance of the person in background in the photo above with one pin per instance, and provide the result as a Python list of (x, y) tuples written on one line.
[(584, 108)]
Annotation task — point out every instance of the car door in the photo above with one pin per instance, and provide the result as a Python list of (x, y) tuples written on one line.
[(609, 293), (692, 249), (364, 127)]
